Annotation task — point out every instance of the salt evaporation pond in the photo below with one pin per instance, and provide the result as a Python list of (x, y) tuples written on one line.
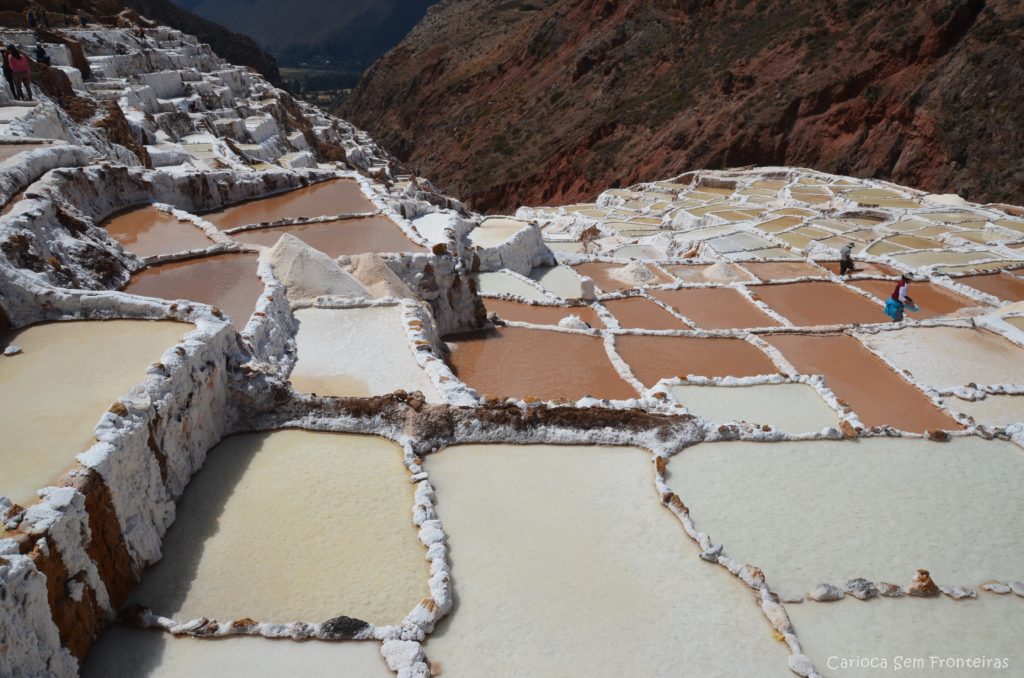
[(330, 198), (68, 374), (721, 272), (521, 362), (566, 564), (336, 238), (784, 270), (356, 352), (1002, 285), (715, 308), (829, 511), (640, 313), (225, 281), (858, 378), (501, 282), (147, 231), (993, 410), (327, 513), (951, 356), (494, 231), (603, 276), (794, 408), (559, 280), (517, 311), (123, 652), (987, 628), (932, 300), (652, 357), (819, 303)]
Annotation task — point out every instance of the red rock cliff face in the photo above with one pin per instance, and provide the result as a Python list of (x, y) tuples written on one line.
[(552, 101)]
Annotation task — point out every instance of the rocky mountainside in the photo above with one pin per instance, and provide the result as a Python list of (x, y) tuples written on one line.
[(549, 101), (235, 47), (353, 31)]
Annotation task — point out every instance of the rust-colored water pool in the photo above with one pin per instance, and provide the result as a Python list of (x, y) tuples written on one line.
[(330, 198), (540, 315), (819, 303), (604, 276), (335, 238), (640, 313), (227, 281), (1002, 285), (521, 362), (934, 301), (784, 270), (652, 358), (147, 231), (876, 394), (715, 308)]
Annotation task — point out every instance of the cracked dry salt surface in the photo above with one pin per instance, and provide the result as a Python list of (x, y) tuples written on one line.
[(147, 231), (333, 197), (989, 628), (356, 352), (124, 652), (67, 375), (329, 512), (951, 356), (830, 511), (546, 364), (794, 408), (375, 234), (226, 281), (565, 563)]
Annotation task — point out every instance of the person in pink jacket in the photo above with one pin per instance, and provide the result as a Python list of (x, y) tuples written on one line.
[(21, 70)]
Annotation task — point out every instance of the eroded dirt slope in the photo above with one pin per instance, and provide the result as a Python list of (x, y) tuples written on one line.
[(549, 101)]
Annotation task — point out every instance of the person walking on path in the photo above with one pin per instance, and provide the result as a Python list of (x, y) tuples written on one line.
[(846, 259), (8, 74), (21, 69), (896, 304)]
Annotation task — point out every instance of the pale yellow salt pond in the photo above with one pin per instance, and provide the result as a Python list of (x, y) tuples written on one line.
[(794, 408), (911, 632), (993, 410), (565, 564), (292, 526), (951, 356), (356, 352), (561, 281), (496, 230), (53, 393), (123, 652), (879, 508), (500, 282)]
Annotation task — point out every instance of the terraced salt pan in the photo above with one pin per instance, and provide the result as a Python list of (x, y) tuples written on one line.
[(876, 394), (987, 628), (951, 356), (862, 268), (993, 410), (640, 313), (330, 198), (652, 358), (123, 652), (541, 315), (934, 258), (932, 300), (819, 303), (329, 511), (146, 232), (225, 281), (715, 308), (604, 276), (499, 282), (783, 270), (561, 281), (520, 362), (830, 511), (493, 232), (356, 352), (794, 408), (53, 393), (565, 564), (1002, 285), (704, 273), (336, 238)]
